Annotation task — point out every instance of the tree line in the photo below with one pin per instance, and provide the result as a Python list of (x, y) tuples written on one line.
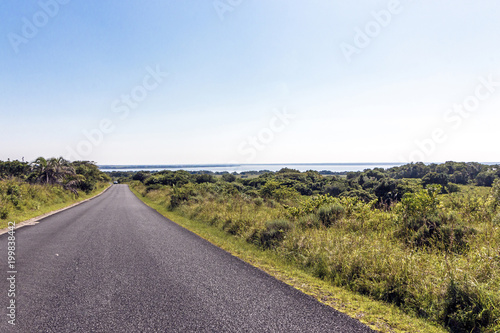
[(72, 176), (385, 186)]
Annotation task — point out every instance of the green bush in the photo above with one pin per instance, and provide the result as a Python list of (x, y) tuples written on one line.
[(205, 178), (181, 194), (258, 202), (435, 178), (330, 214), (452, 188), (4, 213), (444, 231), (273, 233), (13, 190), (227, 177)]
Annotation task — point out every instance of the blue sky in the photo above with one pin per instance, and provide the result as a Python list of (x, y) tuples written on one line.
[(250, 81)]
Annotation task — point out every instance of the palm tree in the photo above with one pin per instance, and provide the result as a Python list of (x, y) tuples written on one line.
[(39, 168), (55, 171)]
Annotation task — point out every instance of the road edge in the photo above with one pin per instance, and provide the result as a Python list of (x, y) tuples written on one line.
[(36, 219)]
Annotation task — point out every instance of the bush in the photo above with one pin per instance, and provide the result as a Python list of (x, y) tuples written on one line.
[(4, 213), (228, 177), (205, 178), (452, 188), (258, 202), (389, 191), (445, 232), (273, 233), (328, 215), (435, 178), (181, 194), (87, 186), (152, 180), (141, 176), (486, 178)]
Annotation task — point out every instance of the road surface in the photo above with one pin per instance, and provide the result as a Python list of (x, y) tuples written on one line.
[(113, 264)]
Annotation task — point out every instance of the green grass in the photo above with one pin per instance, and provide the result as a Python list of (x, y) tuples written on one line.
[(223, 232), (20, 201)]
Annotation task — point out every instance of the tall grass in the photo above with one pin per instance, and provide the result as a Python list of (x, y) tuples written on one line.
[(20, 201), (434, 256)]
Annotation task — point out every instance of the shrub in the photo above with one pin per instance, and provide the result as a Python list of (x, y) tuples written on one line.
[(141, 176), (273, 233), (181, 194), (389, 191), (87, 186), (258, 202), (228, 177), (435, 178), (152, 180), (445, 231), (232, 227), (13, 190), (452, 188), (330, 214), (486, 178), (309, 205), (422, 203), (205, 178), (4, 213)]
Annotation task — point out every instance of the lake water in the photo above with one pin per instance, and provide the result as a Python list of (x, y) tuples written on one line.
[(334, 167)]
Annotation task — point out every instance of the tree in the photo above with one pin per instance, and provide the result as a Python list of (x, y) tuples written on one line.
[(389, 191), (435, 178), (486, 178), (52, 171), (228, 177), (14, 169), (141, 176), (88, 175)]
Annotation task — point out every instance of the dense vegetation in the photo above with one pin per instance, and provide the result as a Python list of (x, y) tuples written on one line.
[(29, 189), (423, 237)]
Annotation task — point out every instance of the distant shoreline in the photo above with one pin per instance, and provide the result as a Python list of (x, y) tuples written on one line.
[(327, 167), (152, 166), (334, 167)]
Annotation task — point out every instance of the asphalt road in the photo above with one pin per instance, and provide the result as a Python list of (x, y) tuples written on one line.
[(115, 265)]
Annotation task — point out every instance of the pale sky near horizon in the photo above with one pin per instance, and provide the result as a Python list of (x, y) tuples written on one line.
[(250, 81)]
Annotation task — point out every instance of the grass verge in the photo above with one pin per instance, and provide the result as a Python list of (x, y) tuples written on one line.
[(37, 200), (377, 315)]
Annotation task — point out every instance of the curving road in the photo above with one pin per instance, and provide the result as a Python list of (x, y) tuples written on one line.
[(115, 265)]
